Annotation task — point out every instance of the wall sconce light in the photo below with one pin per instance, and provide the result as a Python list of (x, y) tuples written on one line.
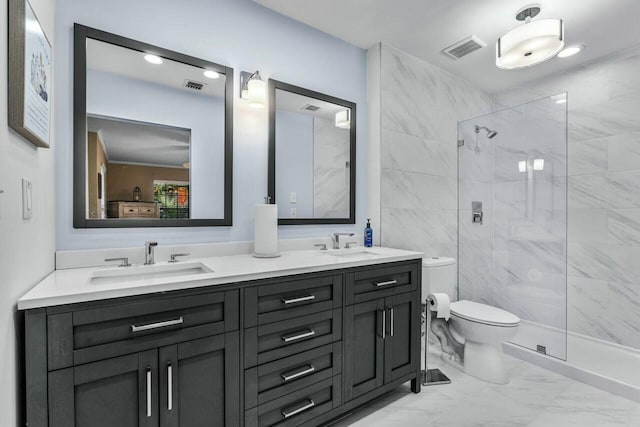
[(538, 164), (343, 119), (522, 165), (253, 89)]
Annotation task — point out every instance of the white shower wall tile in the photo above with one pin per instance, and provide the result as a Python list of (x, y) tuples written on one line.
[(587, 226), (420, 155), (624, 152), (623, 227)]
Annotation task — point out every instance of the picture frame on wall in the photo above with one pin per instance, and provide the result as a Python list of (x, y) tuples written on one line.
[(30, 72)]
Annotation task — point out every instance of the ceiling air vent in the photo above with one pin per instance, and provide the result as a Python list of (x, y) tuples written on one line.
[(194, 85), (310, 107), (464, 47)]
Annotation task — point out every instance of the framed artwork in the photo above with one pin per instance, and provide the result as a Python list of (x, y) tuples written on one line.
[(30, 75)]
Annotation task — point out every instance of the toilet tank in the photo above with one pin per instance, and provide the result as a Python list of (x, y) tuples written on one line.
[(439, 274)]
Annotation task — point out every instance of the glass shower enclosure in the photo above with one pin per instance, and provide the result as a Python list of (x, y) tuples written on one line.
[(512, 218)]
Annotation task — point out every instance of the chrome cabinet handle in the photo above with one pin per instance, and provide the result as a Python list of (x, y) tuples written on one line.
[(149, 326), (298, 299), (384, 324), (392, 316), (169, 387), (298, 335), (288, 414), (387, 283), (288, 376), (148, 391)]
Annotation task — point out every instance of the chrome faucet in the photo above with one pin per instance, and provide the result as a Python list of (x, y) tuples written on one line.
[(149, 252), (335, 239)]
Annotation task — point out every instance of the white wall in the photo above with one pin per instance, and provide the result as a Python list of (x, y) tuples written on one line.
[(237, 33), (26, 247), (294, 157)]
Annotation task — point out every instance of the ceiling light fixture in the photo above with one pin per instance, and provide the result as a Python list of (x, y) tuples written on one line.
[(530, 44), (253, 89), (210, 74), (153, 59), (570, 51)]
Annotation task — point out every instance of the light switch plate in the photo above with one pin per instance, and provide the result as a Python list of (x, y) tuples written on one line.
[(27, 199), (293, 198)]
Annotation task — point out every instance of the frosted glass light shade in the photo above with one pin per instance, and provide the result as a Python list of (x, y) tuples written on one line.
[(538, 164), (343, 119), (522, 166), (530, 44), (257, 93)]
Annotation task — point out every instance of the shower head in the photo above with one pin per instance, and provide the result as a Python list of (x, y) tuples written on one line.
[(490, 133)]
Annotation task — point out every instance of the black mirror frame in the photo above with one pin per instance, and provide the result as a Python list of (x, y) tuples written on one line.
[(81, 33), (275, 84)]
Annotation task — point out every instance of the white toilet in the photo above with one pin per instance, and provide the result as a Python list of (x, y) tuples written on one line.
[(479, 328)]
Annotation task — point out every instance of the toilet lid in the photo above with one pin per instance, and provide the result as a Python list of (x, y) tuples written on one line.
[(482, 313)]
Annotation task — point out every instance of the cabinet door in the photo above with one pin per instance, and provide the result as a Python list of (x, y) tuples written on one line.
[(122, 392), (200, 382), (402, 343), (364, 347)]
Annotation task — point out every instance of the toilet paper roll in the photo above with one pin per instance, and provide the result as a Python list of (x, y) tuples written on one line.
[(441, 304), (266, 231)]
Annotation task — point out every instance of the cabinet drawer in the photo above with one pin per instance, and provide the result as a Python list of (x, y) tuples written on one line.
[(294, 298), (87, 335), (299, 407), (274, 341), (128, 210), (373, 283), (272, 380)]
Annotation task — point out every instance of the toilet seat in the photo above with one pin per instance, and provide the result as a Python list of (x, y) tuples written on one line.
[(485, 314)]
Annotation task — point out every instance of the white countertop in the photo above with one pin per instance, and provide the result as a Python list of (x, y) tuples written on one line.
[(75, 285)]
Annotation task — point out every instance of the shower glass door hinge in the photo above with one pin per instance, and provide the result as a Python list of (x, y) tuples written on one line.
[(461, 143), (541, 349)]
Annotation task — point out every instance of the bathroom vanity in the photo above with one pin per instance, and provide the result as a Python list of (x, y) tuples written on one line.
[(296, 340)]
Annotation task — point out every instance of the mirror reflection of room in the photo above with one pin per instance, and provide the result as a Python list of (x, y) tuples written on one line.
[(155, 136), (312, 157)]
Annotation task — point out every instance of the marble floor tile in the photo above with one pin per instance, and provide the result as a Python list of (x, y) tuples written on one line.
[(535, 397)]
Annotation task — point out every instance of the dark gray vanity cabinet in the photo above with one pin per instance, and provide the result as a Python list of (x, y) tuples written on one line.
[(293, 351)]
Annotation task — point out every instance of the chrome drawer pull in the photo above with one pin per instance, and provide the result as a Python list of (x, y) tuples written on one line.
[(387, 283), (384, 324), (149, 392), (169, 387), (309, 405), (288, 376), (140, 328), (392, 316), (298, 299), (298, 335)]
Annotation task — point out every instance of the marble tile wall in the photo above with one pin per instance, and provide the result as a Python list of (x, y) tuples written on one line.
[(331, 151), (603, 193), (420, 107)]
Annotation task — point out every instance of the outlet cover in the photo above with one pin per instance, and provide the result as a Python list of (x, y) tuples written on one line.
[(293, 213)]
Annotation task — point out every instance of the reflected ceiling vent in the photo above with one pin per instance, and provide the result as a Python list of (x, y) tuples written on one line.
[(194, 85), (310, 107), (464, 47)]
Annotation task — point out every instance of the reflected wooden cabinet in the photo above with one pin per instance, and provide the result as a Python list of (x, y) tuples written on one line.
[(133, 210)]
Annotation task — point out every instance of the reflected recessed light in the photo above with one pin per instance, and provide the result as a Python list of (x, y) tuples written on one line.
[(211, 74), (153, 59), (570, 51), (561, 101)]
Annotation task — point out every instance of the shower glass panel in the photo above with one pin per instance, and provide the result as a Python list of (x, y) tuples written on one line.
[(512, 223)]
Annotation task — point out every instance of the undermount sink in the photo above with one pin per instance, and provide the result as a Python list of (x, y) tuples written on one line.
[(359, 252), (146, 272)]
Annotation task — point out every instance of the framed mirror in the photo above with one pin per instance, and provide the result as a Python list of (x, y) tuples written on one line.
[(153, 135), (312, 156)]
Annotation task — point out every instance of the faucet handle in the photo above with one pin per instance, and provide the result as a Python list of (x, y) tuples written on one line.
[(322, 246), (349, 245), (174, 257), (151, 243), (124, 261)]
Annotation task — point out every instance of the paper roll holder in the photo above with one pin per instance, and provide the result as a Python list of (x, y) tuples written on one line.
[(430, 376)]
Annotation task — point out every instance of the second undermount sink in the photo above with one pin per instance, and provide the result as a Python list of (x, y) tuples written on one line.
[(147, 272), (358, 252)]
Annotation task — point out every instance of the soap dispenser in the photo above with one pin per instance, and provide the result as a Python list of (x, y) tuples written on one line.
[(368, 235)]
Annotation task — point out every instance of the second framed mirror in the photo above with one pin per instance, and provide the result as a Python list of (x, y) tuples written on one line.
[(312, 156)]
